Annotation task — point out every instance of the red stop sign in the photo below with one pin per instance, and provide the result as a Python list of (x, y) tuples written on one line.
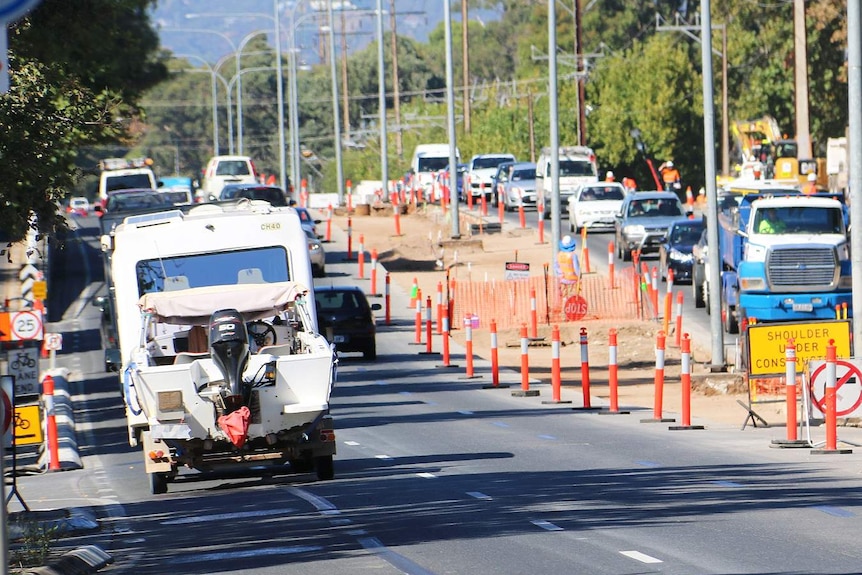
[(575, 308)]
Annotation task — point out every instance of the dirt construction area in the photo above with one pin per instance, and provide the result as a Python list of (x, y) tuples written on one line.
[(424, 252)]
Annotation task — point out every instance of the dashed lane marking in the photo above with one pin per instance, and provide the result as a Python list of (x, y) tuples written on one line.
[(223, 516), (479, 495), (546, 525), (642, 557)]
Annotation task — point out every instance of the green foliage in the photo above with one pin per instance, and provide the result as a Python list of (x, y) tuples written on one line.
[(34, 546)]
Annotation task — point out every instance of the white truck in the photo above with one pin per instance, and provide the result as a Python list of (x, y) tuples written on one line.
[(577, 166), (222, 364), (428, 160), (125, 174)]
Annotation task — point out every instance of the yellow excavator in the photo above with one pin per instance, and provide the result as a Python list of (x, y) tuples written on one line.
[(761, 142)]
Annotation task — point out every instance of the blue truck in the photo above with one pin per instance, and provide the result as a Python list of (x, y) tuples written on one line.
[(784, 257)]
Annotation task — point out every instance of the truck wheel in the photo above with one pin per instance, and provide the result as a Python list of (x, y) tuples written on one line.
[(731, 324), (324, 467), (158, 483), (370, 352), (302, 465)]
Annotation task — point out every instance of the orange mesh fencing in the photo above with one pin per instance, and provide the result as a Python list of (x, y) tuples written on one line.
[(508, 301)]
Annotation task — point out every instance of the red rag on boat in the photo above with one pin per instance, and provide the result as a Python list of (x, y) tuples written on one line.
[(235, 425)]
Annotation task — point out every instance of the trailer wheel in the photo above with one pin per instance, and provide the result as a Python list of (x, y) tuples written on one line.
[(158, 483), (325, 468), (731, 324)]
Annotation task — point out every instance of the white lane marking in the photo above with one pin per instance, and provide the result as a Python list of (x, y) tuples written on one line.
[(337, 522), (479, 495), (405, 565), (404, 393), (227, 555), (427, 475), (546, 525), (387, 457), (353, 443), (501, 424), (465, 412), (357, 532), (642, 557), (547, 437), (319, 503), (221, 516), (381, 383)]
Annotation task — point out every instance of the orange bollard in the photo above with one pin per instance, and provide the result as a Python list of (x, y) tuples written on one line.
[(414, 292), (418, 307), (611, 260), (374, 272), (585, 372), (361, 257), (468, 345), (659, 380), (397, 213), (678, 318), (685, 385), (654, 292), (51, 424), (541, 225), (831, 404), (386, 299), (328, 237), (525, 359), (446, 358), (668, 299), (469, 192), (484, 200), (522, 217), (495, 359), (790, 387), (556, 379), (585, 251), (534, 318), (613, 376), (349, 238), (439, 307), (428, 349)]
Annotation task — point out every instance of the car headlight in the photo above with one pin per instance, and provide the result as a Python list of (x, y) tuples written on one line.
[(679, 256), (752, 283), (314, 247)]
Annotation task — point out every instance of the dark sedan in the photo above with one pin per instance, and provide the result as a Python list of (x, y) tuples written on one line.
[(346, 319), (675, 251)]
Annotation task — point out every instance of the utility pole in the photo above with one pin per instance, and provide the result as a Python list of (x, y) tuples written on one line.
[(582, 80), (803, 133), (345, 98), (465, 57), (396, 96)]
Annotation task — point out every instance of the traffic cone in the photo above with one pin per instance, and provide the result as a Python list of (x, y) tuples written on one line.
[(689, 200)]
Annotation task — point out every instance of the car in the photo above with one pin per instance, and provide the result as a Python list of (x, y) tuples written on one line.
[(307, 221), (78, 206), (222, 170), (642, 222), (178, 196), (316, 253), (699, 254), (515, 183), (481, 170), (594, 205), (133, 199), (346, 318), (675, 252), (272, 194)]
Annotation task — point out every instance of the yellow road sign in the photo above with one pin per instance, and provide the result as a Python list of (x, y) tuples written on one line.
[(767, 344), (40, 289), (28, 425)]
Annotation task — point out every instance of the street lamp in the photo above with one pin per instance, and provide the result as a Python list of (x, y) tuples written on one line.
[(335, 119), (215, 75)]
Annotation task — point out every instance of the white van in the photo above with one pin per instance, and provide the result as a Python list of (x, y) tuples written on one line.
[(577, 166), (428, 159), (223, 170)]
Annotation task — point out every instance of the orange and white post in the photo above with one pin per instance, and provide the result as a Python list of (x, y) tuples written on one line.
[(418, 307), (495, 358), (534, 317), (428, 327), (468, 344), (439, 307), (659, 375), (613, 371), (51, 424), (556, 377), (831, 398), (585, 367), (790, 387), (685, 379), (374, 272), (349, 238), (585, 251), (361, 257), (387, 301), (678, 317), (668, 300), (611, 261), (328, 237), (525, 359)]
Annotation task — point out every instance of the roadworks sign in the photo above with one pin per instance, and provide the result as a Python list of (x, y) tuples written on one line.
[(767, 344)]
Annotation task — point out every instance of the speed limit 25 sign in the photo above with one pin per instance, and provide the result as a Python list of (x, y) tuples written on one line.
[(21, 326)]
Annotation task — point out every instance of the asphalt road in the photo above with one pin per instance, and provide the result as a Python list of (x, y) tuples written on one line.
[(437, 475)]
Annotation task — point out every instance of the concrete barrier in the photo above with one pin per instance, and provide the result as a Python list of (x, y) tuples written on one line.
[(65, 416)]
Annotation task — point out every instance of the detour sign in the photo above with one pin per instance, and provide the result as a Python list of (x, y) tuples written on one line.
[(767, 344)]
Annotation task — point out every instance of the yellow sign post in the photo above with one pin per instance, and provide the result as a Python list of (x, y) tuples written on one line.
[(767, 343), (28, 425)]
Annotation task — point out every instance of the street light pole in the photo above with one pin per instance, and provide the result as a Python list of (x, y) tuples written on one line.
[(450, 117), (381, 97), (336, 121)]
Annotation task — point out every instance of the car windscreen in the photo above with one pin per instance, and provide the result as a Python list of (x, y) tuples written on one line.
[(126, 202), (524, 174), (212, 269), (334, 300), (576, 168), (484, 163), (686, 234), (232, 168), (601, 193), (272, 195), (433, 164)]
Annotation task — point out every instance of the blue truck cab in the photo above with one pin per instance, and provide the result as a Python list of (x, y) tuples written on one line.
[(785, 257)]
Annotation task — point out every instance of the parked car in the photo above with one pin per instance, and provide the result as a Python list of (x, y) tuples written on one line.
[(272, 194), (675, 252), (642, 222), (595, 205), (316, 253), (346, 318), (78, 206), (515, 183)]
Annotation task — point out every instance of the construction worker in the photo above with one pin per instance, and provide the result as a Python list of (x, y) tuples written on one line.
[(629, 183), (567, 267), (609, 177), (669, 175), (811, 186), (770, 223)]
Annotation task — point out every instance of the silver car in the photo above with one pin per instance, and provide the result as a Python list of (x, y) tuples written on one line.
[(516, 185), (316, 254)]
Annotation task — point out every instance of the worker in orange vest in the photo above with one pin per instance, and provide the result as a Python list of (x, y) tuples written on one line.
[(567, 267), (811, 186), (609, 176), (629, 183), (669, 175)]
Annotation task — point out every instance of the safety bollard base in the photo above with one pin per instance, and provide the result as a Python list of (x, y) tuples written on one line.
[(450, 366), (659, 420), (617, 412), (471, 377), (525, 393), (498, 386), (789, 443), (684, 427), (587, 409), (824, 451), (555, 401), (429, 353)]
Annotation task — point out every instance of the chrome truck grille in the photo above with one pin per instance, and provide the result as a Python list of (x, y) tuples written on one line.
[(802, 269)]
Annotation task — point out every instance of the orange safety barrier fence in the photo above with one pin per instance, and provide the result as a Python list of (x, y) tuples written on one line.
[(508, 301)]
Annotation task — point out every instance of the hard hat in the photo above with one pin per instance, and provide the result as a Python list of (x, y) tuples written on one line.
[(567, 244), (669, 164), (812, 177), (610, 174)]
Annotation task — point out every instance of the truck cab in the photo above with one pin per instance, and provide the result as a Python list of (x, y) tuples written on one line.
[(577, 166)]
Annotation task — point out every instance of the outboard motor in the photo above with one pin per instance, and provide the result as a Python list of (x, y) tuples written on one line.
[(228, 343)]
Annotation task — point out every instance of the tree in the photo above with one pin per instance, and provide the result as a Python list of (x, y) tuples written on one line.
[(77, 70)]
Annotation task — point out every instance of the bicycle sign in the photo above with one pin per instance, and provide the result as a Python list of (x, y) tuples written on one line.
[(28, 425), (24, 365)]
